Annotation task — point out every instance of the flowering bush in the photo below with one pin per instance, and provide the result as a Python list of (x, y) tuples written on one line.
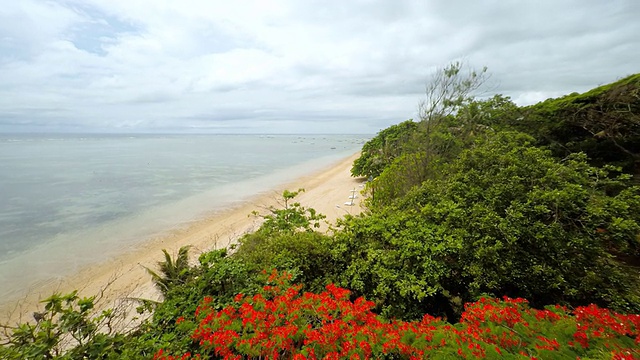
[(282, 322)]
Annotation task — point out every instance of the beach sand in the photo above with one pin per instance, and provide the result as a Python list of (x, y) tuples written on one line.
[(125, 277)]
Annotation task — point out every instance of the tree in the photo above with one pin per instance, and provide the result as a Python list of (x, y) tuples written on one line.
[(449, 117), (172, 272), (379, 152), (533, 226), (448, 91), (505, 217), (68, 328), (288, 240), (603, 122), (291, 217)]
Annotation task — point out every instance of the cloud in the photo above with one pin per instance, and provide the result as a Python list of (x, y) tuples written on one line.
[(289, 66)]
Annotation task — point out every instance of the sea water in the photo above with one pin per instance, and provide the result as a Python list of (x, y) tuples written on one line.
[(68, 201)]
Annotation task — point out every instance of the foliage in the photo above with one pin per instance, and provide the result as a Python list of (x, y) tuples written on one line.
[(448, 91), (67, 323), (603, 122), (172, 272), (398, 261), (283, 238), (497, 112), (450, 119), (287, 240), (281, 322), (504, 218), (534, 226), (218, 275), (410, 169), (380, 151), (306, 255), (398, 178), (291, 217)]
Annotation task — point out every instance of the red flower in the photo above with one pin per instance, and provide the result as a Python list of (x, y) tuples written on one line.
[(282, 322)]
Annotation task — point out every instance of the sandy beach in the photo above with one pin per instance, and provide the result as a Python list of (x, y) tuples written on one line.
[(125, 277)]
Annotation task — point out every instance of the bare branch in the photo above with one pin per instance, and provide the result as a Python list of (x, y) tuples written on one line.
[(448, 90)]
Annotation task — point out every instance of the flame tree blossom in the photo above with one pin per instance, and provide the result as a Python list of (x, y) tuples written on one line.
[(281, 322)]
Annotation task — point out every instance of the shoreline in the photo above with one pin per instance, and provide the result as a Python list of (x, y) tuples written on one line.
[(124, 276)]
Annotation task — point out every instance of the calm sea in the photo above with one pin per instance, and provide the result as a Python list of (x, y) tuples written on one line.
[(67, 201)]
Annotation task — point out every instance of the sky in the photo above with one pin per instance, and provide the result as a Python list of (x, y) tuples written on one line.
[(290, 66)]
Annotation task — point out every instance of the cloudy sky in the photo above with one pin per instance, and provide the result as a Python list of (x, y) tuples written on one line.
[(290, 66)]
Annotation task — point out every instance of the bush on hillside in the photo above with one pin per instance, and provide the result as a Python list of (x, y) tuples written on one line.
[(505, 218), (603, 122), (282, 322), (380, 151)]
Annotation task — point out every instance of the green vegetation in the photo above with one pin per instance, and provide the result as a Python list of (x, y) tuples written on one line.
[(604, 123), (379, 152), (172, 272), (67, 329), (478, 199)]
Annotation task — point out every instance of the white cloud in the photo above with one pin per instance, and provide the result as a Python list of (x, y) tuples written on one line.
[(27, 26), (286, 65)]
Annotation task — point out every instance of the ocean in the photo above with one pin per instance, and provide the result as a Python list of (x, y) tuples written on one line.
[(68, 201)]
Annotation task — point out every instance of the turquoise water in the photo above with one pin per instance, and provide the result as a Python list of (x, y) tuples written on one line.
[(67, 201)]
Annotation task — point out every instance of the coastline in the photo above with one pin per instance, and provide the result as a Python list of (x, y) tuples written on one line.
[(125, 277)]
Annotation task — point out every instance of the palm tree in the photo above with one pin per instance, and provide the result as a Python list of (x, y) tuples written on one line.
[(172, 272)]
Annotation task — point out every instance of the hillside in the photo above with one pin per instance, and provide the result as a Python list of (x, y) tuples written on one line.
[(603, 122)]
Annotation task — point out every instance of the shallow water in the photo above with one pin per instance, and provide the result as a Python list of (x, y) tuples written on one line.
[(67, 201)]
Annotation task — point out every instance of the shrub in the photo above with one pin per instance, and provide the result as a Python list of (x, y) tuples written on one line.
[(281, 322)]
